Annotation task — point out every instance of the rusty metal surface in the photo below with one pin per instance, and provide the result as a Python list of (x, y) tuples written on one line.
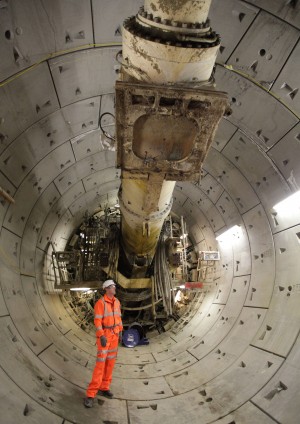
[(166, 129)]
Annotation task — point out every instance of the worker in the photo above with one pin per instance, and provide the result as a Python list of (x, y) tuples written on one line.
[(109, 328)]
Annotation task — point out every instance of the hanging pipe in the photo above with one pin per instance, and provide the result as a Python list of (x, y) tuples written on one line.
[(166, 44)]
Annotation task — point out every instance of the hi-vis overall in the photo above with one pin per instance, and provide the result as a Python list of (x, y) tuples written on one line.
[(108, 323)]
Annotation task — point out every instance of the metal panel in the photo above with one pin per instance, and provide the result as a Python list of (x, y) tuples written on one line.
[(206, 317), (201, 323), (209, 236), (263, 258), (57, 26), (244, 329), (84, 341), (90, 143), (47, 387), (231, 21), (38, 141), (43, 323), (10, 256), (17, 406), (246, 102), (265, 48), (278, 334), (285, 154), (14, 295), (44, 135), (196, 234), (180, 196), (33, 228), (261, 173), (246, 414), (212, 215), (10, 189), (211, 187), (241, 259), (84, 74), (3, 308), (227, 173), (57, 209), (280, 397), (287, 83), (97, 179), (227, 322), (287, 248), (252, 370), (228, 210), (224, 276), (162, 368), (57, 313), (200, 373), (195, 194), (152, 388), (82, 116), (36, 98), (238, 384), (64, 364), (172, 410), (134, 358), (98, 161), (108, 18), (35, 184), (71, 23), (63, 230), (200, 200), (91, 200), (288, 11)]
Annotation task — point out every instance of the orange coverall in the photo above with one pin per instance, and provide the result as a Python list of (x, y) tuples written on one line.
[(108, 323)]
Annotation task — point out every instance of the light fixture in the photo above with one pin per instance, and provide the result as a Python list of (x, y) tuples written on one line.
[(80, 288), (177, 296), (290, 203), (228, 234)]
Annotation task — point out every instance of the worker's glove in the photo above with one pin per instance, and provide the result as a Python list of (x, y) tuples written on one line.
[(120, 337), (103, 341)]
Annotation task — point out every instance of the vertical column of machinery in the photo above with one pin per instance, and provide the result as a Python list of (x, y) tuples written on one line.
[(167, 112)]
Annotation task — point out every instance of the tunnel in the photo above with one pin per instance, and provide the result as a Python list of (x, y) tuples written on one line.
[(233, 357)]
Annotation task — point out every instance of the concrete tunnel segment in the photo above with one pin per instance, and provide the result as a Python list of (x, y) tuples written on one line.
[(234, 359)]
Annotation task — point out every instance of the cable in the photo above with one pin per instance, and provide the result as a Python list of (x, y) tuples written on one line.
[(105, 132)]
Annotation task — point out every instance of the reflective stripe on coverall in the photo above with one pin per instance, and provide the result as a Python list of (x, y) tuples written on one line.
[(108, 323)]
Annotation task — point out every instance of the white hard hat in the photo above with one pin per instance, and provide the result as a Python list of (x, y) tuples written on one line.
[(108, 283)]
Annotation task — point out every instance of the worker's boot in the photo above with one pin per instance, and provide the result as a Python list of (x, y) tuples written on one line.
[(88, 402), (106, 393)]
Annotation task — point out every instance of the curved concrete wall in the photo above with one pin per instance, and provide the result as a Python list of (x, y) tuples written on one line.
[(235, 357)]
